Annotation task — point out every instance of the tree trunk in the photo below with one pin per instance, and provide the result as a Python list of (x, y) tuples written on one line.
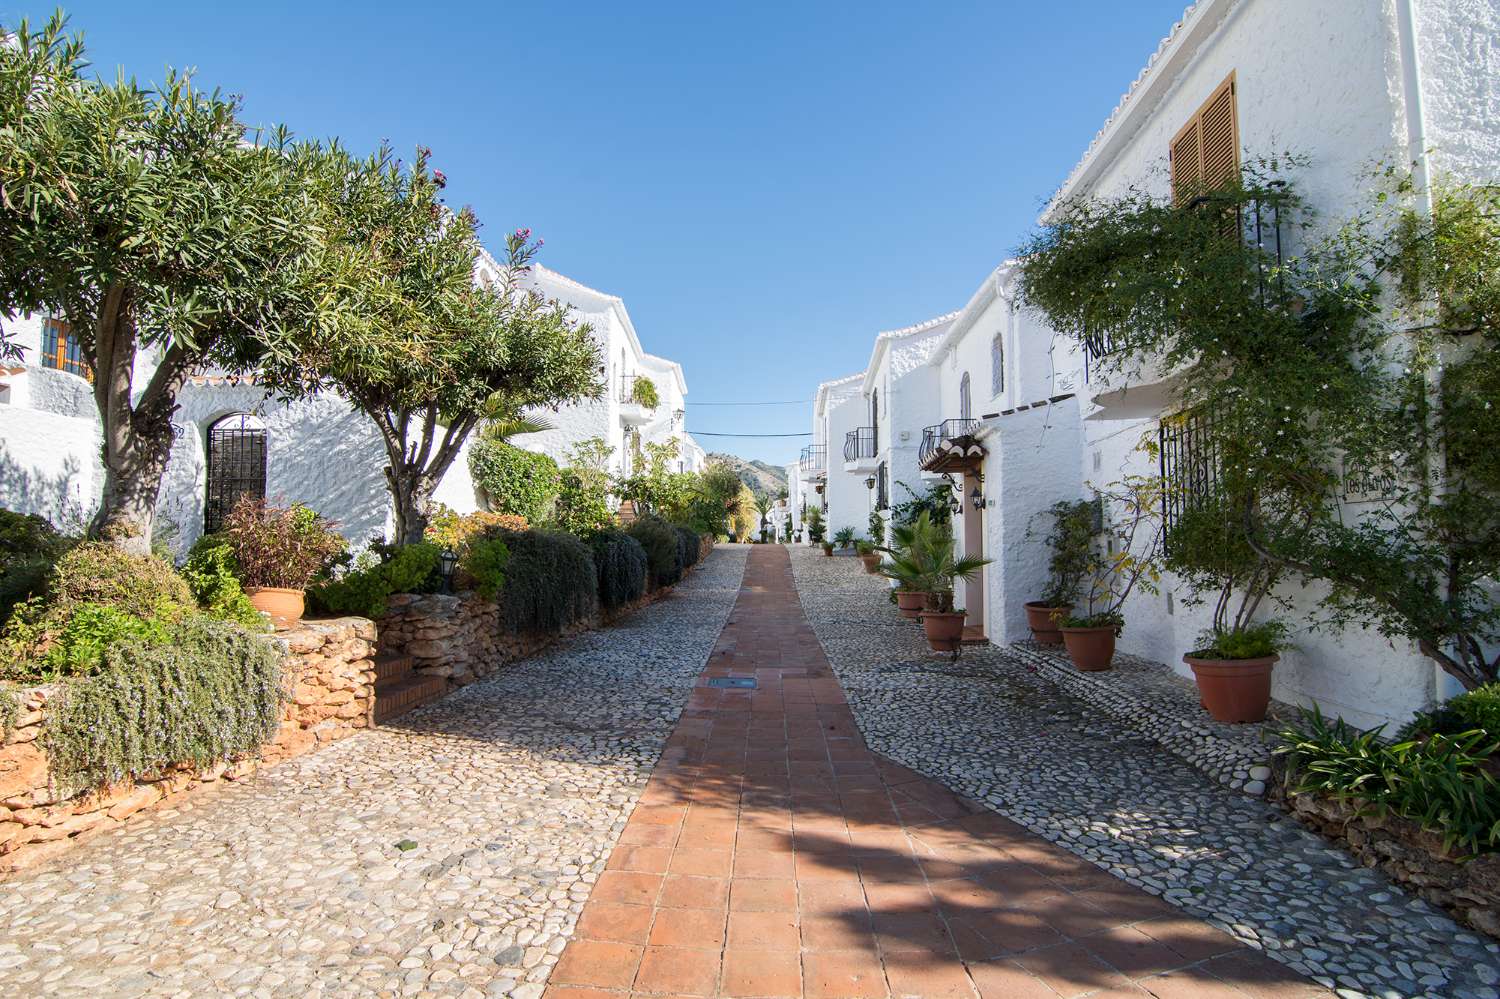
[(132, 484), (411, 498), (416, 467)]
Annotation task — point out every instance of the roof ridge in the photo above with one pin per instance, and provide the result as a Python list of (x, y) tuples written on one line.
[(925, 324), (560, 276)]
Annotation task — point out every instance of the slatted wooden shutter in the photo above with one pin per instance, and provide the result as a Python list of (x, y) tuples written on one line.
[(1206, 152)]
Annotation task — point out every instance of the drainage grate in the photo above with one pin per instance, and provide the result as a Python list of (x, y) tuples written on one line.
[(738, 682)]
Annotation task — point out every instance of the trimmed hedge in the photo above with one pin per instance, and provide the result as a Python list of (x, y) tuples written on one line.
[(688, 546), (622, 566), (516, 481), (550, 581), (663, 549)]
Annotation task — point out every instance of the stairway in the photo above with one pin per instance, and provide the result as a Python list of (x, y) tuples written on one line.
[(398, 689)]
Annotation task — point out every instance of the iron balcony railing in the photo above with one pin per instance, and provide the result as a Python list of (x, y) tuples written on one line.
[(934, 435), (859, 444), (628, 385), (814, 458)]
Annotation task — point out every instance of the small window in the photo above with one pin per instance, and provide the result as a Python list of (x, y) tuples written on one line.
[(965, 404), (236, 466), (61, 349), (997, 364)]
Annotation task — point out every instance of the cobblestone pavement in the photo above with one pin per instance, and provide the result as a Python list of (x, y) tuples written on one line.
[(446, 854), (774, 855), (989, 726)]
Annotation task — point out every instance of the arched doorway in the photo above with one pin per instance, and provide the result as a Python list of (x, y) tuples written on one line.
[(236, 466)]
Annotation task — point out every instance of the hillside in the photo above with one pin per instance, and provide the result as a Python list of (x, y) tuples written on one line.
[(758, 475)]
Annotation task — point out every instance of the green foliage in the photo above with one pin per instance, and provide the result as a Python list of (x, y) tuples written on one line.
[(209, 693), (1441, 782), (688, 546), (516, 481), (843, 537), (284, 547), (91, 630), (364, 590), (877, 528), (1127, 554), (551, 582), (212, 575), (644, 392), (1254, 641), (582, 504), (453, 531), (663, 552), (924, 559), (622, 566), (10, 710), (29, 545), (713, 497), (1070, 539), (934, 500), (1104, 619), (816, 529), (1477, 709), (652, 485), (484, 562)]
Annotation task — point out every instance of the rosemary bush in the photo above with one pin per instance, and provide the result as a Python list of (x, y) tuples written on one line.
[(622, 566), (688, 546), (663, 549), (210, 694), (550, 582)]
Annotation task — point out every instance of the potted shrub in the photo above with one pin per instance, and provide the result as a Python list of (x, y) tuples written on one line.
[(1070, 540), (943, 625), (1233, 670), (815, 529), (1126, 555), (278, 551), (843, 537), (868, 556), (907, 565)]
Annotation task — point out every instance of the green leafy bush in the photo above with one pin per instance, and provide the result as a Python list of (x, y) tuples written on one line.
[(285, 547), (663, 549), (1476, 709), (582, 504), (209, 693), (515, 480), (644, 392), (29, 546), (212, 575), (484, 562), (1255, 641), (1104, 619), (622, 567), (1070, 540), (1440, 782), (10, 710), (364, 590), (453, 531), (92, 630), (550, 582)]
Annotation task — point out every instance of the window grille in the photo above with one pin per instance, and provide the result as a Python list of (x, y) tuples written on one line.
[(882, 487), (61, 349), (236, 466), (1190, 464), (997, 364)]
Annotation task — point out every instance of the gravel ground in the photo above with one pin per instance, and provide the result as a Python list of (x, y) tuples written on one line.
[(992, 727), (446, 854)]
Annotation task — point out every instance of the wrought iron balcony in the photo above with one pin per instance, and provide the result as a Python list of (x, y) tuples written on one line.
[(629, 391), (859, 444), (814, 460), (934, 437)]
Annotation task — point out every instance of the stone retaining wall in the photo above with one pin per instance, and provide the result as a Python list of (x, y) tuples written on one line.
[(329, 677), (1408, 854)]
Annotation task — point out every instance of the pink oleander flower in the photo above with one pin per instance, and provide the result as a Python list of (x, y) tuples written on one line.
[(439, 178)]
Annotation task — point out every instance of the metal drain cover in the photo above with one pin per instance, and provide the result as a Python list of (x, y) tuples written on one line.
[(738, 682)]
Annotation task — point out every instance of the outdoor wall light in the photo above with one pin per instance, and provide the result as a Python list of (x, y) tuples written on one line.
[(447, 562), (955, 505), (870, 482), (977, 498)]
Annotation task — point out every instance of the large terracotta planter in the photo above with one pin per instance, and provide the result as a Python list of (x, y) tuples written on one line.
[(1234, 690), (1042, 620), (285, 606), (945, 629), (1091, 649), (871, 563), (911, 603)]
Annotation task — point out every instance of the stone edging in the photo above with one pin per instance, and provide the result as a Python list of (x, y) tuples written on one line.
[(1233, 755)]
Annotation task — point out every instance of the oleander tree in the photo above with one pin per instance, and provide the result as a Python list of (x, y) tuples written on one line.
[(165, 233)]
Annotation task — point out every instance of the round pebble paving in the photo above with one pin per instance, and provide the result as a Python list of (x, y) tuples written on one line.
[(446, 854), (992, 727)]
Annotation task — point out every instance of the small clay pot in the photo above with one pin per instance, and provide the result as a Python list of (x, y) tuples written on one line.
[(285, 606), (945, 629), (1042, 620), (1091, 649), (911, 603), (871, 563), (1234, 690), (828, 550)]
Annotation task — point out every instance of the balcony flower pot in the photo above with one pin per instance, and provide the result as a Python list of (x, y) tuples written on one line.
[(1091, 649), (1043, 620), (945, 629), (911, 603), (285, 606), (871, 562), (1234, 690)]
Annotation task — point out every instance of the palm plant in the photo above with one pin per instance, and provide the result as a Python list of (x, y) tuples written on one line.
[(504, 419), (843, 537), (925, 558), (763, 505)]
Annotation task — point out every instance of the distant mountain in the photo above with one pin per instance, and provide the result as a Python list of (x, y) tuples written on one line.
[(759, 476)]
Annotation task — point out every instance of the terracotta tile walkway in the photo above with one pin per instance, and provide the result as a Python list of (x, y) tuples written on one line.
[(773, 855)]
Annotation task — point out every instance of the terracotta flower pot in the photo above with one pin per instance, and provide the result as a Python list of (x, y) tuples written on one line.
[(945, 629), (1234, 690), (871, 563), (911, 603), (285, 606), (1091, 649), (828, 550), (1042, 619)]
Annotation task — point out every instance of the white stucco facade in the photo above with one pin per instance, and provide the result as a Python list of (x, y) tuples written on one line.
[(839, 408)]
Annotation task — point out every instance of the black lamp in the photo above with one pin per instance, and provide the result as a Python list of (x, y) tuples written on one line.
[(447, 562), (870, 482), (977, 498)]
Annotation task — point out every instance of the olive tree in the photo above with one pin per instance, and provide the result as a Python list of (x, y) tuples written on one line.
[(164, 234)]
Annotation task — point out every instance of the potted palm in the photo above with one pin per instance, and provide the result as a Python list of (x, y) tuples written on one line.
[(1069, 539), (843, 537), (1125, 557), (907, 566), (943, 625), (278, 551)]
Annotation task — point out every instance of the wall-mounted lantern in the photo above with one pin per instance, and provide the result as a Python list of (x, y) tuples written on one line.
[(977, 498)]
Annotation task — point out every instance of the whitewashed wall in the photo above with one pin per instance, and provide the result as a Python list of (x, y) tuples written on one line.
[(848, 499)]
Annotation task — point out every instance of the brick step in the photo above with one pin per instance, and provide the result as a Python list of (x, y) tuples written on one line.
[(391, 666), (398, 696)]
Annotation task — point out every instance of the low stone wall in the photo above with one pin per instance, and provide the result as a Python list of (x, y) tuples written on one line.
[(330, 681), (1408, 854)]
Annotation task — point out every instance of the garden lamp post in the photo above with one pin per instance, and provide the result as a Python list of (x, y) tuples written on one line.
[(447, 562)]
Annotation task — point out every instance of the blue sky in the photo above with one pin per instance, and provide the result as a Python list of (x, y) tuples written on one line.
[(767, 186)]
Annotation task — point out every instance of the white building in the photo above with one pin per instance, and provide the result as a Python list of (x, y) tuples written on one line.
[(838, 408), (232, 439), (1238, 79)]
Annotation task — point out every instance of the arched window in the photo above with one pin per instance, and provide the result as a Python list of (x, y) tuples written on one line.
[(997, 364), (236, 466), (965, 406)]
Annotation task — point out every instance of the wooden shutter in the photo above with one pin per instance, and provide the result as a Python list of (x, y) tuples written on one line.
[(1206, 152)]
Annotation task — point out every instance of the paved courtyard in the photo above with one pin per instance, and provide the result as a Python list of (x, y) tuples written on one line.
[(507, 797), (991, 727), (774, 855)]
